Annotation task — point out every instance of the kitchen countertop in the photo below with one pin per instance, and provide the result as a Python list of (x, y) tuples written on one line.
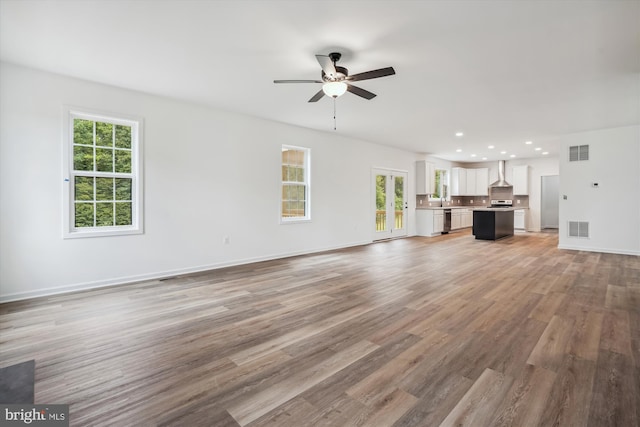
[(475, 208)]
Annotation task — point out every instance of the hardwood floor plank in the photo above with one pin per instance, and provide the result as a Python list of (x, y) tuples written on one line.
[(616, 332), (548, 306), (477, 407), (570, 397), (525, 402), (264, 401), (388, 409), (549, 352), (385, 379), (613, 402), (585, 338)]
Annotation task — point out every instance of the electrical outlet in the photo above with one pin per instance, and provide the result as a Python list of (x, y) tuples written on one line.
[(420, 201), (225, 240), (518, 201)]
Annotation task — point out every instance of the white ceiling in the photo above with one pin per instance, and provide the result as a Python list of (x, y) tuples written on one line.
[(503, 72)]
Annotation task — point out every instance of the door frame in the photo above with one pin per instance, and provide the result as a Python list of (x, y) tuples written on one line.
[(391, 231)]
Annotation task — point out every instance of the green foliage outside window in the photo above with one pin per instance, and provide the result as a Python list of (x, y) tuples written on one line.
[(101, 201), (441, 185)]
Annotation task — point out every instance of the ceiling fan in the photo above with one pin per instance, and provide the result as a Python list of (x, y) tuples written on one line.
[(336, 80)]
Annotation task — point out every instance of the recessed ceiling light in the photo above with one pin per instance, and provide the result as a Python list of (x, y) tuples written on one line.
[(503, 152), (458, 134), (513, 155), (528, 142), (484, 158), (491, 147), (537, 148), (459, 150), (545, 153), (473, 155)]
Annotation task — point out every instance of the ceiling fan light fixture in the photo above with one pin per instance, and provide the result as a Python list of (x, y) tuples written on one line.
[(334, 89)]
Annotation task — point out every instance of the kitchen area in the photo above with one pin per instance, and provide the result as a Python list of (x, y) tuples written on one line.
[(463, 198)]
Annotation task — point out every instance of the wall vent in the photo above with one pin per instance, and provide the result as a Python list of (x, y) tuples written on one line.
[(578, 153), (579, 229)]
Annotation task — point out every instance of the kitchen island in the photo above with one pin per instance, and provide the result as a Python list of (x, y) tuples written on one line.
[(492, 223)]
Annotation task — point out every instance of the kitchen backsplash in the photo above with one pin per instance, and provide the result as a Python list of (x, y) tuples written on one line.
[(518, 201)]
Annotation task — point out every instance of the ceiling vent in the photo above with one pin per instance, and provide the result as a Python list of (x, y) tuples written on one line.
[(578, 153), (579, 229)]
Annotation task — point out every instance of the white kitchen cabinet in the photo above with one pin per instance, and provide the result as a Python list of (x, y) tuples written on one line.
[(461, 218), (458, 182), (482, 182), (429, 222), (425, 178), (467, 218), (471, 182), (438, 222), (456, 219), (520, 180), (519, 217)]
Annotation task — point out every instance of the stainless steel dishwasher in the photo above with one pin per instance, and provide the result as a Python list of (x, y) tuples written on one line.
[(446, 227)]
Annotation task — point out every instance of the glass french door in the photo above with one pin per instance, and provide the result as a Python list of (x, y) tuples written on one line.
[(390, 203)]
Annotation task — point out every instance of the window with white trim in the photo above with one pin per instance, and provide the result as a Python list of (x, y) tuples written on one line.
[(103, 174), (295, 200)]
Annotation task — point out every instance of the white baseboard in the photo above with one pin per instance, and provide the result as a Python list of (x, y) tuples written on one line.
[(162, 274), (602, 250)]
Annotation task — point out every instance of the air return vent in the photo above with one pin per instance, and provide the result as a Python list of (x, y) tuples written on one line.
[(578, 153), (578, 229)]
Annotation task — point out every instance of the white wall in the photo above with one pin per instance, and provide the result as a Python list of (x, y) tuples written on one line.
[(612, 209), (208, 174)]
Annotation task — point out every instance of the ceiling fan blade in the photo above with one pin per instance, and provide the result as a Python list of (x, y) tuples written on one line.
[(297, 81), (327, 65), (374, 74), (317, 96), (360, 92)]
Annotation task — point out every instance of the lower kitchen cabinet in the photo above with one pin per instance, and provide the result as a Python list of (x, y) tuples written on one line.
[(519, 222), (461, 218), (429, 222)]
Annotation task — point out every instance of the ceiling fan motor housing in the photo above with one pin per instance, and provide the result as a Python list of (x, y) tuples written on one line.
[(341, 74)]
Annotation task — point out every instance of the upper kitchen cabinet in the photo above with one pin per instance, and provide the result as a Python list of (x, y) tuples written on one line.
[(469, 182), (482, 182), (425, 178), (458, 182), (521, 180)]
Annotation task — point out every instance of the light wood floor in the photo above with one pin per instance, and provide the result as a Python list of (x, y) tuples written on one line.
[(413, 332)]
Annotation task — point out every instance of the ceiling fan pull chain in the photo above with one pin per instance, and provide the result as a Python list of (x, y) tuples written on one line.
[(334, 113)]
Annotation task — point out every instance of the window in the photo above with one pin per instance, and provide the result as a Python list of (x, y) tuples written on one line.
[(295, 184), (103, 188), (441, 185)]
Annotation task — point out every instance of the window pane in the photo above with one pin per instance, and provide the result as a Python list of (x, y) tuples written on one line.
[(123, 214), (104, 134), (123, 161), (104, 214), (104, 160), (83, 188), (82, 158), (123, 189), (104, 189), (82, 132), (84, 214), (123, 136)]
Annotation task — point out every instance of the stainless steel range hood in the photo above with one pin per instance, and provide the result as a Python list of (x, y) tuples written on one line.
[(501, 182)]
